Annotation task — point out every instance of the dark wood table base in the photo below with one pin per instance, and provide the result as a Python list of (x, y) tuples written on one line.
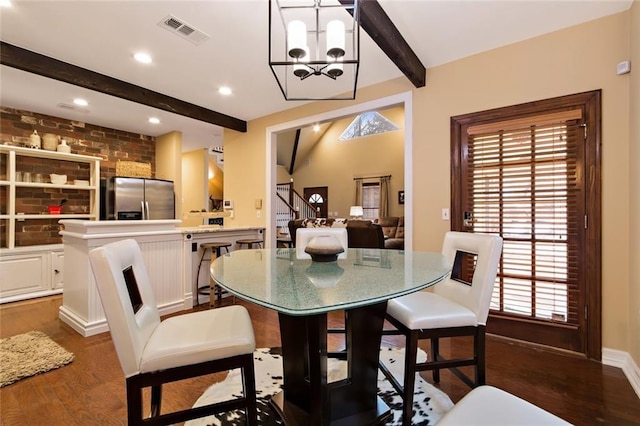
[(308, 398)]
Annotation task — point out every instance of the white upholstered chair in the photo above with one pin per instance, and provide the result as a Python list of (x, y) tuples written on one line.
[(152, 352), (305, 235), (489, 406), (456, 306)]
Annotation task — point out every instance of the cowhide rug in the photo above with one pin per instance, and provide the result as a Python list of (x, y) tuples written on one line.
[(429, 404)]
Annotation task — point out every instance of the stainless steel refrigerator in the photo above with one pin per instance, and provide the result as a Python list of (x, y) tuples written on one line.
[(125, 198)]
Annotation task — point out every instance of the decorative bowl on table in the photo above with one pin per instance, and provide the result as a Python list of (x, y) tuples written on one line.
[(324, 248), (58, 179)]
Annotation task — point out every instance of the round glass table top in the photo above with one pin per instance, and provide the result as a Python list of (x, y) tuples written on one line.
[(279, 280)]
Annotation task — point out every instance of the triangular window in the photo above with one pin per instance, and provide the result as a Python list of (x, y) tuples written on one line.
[(368, 123)]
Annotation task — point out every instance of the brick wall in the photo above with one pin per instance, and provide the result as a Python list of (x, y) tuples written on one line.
[(109, 144)]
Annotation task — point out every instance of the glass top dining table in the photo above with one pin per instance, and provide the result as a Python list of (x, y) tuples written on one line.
[(303, 292), (277, 279)]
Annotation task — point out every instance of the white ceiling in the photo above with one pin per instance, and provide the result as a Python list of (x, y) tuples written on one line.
[(103, 35)]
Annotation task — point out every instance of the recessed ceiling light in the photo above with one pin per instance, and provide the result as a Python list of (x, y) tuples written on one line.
[(142, 57), (224, 90), (80, 102), (316, 127), (5, 3), (154, 120)]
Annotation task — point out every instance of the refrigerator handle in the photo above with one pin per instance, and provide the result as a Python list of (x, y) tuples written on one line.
[(142, 208), (148, 212)]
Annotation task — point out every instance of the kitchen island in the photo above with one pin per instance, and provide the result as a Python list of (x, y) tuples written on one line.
[(171, 252)]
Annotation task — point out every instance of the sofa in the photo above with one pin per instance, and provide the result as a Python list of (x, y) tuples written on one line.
[(360, 233), (393, 229)]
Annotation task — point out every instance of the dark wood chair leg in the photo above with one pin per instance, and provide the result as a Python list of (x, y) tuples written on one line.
[(249, 386), (156, 400), (435, 355), (134, 403), (411, 352), (480, 378)]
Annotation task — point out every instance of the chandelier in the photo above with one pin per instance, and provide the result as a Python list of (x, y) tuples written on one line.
[(314, 48)]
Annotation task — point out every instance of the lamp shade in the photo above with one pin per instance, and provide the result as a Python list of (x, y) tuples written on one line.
[(356, 211), (297, 39), (335, 39)]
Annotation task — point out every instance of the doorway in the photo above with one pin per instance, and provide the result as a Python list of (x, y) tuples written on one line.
[(401, 99), (318, 197)]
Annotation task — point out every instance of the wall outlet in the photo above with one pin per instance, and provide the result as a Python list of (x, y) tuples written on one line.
[(445, 214), (258, 214)]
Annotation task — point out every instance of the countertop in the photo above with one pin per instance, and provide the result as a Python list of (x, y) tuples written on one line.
[(215, 228)]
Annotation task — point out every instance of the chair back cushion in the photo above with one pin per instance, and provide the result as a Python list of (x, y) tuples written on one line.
[(127, 299), (305, 235), (477, 295)]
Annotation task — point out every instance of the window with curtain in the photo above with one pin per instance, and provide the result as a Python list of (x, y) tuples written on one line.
[(524, 176), (370, 200)]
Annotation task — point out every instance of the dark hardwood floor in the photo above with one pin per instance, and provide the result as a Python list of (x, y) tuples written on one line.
[(91, 391)]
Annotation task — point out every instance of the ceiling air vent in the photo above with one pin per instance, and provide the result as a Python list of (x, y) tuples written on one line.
[(184, 30)]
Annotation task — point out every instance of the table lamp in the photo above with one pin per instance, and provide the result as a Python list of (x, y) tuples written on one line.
[(356, 212)]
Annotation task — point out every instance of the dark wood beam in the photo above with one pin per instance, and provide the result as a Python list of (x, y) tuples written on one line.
[(375, 21), (294, 152), (26, 60)]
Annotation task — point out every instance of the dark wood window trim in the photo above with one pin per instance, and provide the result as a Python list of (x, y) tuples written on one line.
[(590, 104)]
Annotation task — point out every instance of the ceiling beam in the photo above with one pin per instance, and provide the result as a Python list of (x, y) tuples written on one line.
[(295, 151), (26, 60), (375, 21)]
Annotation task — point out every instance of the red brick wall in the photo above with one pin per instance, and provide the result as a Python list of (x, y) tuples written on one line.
[(87, 139)]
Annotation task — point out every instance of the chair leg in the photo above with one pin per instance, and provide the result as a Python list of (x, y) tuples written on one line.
[(134, 403), (435, 355), (197, 295), (249, 386), (156, 400), (479, 348), (411, 352)]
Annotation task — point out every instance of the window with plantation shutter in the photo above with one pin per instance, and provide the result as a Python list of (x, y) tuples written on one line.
[(370, 200), (522, 175)]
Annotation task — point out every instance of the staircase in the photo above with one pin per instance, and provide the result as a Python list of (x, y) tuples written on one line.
[(290, 205)]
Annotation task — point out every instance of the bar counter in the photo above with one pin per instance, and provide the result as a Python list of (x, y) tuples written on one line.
[(171, 252)]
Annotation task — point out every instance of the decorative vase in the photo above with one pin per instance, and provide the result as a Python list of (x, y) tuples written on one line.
[(50, 142), (324, 248), (34, 140), (63, 147)]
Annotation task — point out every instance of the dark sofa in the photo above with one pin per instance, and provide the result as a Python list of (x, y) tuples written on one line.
[(360, 233), (393, 229)]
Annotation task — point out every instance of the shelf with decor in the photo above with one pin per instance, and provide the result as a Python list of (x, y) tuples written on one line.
[(31, 205), (37, 184)]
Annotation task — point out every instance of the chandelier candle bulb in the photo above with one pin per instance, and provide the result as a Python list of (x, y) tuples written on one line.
[(334, 69), (297, 39), (335, 39), (301, 70)]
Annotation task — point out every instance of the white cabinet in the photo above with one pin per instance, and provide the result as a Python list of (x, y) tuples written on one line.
[(31, 253), (30, 272)]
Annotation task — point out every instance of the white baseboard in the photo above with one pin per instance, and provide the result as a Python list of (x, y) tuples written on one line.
[(623, 360), (87, 329)]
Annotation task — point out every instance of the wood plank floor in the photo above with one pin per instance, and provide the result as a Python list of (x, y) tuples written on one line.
[(91, 391)]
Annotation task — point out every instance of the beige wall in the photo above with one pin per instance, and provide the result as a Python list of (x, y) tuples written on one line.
[(169, 163), (634, 190), (334, 163), (577, 59), (194, 177)]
